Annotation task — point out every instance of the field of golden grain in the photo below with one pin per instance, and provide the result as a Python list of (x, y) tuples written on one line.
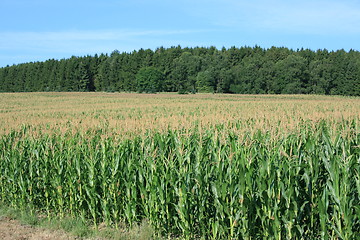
[(136, 113)]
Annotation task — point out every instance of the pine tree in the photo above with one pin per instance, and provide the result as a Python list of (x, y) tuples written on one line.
[(84, 81)]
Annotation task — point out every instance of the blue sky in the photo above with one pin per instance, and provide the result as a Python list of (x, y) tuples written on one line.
[(37, 30)]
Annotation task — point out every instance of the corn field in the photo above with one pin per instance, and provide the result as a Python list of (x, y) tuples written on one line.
[(194, 167), (210, 184)]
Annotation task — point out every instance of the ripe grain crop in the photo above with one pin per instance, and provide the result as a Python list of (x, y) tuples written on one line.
[(195, 166), (135, 114)]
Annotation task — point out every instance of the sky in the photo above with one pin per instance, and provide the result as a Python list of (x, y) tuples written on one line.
[(37, 30)]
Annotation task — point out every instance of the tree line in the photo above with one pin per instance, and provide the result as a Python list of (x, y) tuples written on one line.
[(250, 70)]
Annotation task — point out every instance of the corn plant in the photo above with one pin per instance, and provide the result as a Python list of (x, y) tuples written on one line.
[(209, 183)]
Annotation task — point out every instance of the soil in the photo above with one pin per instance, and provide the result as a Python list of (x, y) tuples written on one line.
[(13, 230)]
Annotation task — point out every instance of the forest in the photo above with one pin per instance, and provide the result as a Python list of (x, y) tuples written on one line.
[(245, 70)]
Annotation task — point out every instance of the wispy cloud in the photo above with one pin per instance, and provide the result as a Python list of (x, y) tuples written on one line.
[(74, 35), (34, 46), (20, 40), (304, 17), (322, 17)]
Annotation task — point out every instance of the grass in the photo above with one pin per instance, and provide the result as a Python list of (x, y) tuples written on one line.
[(75, 227)]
